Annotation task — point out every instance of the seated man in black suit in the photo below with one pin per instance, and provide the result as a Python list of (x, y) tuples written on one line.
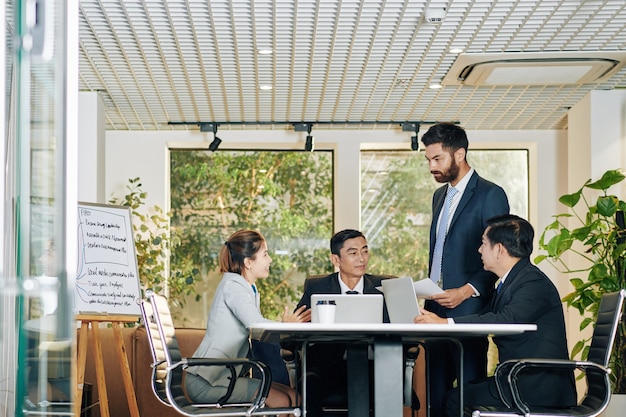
[(326, 364), (524, 295)]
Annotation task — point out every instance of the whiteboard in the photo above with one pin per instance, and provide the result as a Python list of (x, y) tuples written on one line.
[(107, 278)]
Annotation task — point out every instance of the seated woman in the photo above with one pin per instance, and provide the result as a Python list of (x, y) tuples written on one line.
[(243, 260)]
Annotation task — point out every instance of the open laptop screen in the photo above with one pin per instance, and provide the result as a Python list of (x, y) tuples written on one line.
[(352, 308), (401, 299)]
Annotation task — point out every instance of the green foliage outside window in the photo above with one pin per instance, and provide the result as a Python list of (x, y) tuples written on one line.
[(285, 195), (395, 213), (396, 192), (153, 246)]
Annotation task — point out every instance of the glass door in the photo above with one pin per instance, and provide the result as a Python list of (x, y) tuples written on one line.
[(37, 321)]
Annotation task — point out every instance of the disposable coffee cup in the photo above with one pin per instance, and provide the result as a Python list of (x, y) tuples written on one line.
[(326, 311)]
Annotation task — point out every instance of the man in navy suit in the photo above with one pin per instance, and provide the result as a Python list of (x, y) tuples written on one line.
[(524, 295), (326, 366), (460, 211)]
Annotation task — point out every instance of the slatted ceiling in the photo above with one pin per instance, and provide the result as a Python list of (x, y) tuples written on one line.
[(333, 60)]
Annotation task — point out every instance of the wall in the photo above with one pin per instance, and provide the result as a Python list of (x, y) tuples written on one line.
[(597, 142), (145, 154), (91, 128)]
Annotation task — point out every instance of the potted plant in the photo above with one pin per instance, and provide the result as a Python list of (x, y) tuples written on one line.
[(152, 246), (593, 230)]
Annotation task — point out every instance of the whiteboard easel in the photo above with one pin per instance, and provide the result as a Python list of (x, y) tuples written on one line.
[(107, 287), (94, 323), (107, 279)]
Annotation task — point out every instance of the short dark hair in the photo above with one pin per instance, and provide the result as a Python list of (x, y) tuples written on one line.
[(451, 136), (339, 238), (513, 232), (240, 245)]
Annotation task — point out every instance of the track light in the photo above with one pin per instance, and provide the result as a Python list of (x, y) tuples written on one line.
[(215, 144), (211, 127), (302, 127), (305, 127), (415, 145), (206, 127), (412, 127)]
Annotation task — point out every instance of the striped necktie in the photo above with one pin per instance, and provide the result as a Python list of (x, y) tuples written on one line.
[(442, 230)]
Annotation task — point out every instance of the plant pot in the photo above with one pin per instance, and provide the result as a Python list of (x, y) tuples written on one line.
[(616, 407)]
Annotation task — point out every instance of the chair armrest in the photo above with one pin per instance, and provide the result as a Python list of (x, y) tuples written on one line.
[(231, 364), (556, 363), (512, 368), (186, 362)]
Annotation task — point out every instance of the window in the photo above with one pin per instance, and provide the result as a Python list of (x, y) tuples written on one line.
[(285, 195), (396, 196)]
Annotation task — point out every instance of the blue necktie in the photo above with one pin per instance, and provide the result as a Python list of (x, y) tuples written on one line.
[(442, 230)]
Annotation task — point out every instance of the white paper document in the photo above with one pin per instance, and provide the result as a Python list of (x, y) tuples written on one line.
[(426, 287)]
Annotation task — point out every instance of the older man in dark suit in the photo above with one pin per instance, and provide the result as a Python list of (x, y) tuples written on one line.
[(326, 363), (460, 212), (524, 295)]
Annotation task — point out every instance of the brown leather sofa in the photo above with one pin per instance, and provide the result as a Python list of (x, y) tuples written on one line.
[(139, 360)]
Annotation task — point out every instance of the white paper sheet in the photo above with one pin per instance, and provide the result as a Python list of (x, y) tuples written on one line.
[(426, 287)]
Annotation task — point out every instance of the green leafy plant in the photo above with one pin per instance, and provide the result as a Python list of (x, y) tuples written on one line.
[(152, 246), (284, 195), (599, 243)]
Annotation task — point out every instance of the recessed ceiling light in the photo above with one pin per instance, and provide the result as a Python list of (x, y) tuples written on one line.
[(456, 50), (266, 87), (434, 86), (265, 51)]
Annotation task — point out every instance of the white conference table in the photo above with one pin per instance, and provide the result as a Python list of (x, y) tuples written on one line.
[(388, 341)]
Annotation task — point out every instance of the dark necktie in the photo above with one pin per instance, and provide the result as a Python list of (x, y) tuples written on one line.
[(352, 292)]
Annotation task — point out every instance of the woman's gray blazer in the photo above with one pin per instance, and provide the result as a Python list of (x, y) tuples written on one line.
[(235, 306)]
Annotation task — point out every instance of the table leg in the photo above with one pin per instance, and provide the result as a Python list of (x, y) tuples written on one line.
[(461, 378), (358, 381), (304, 375), (460, 375), (388, 372)]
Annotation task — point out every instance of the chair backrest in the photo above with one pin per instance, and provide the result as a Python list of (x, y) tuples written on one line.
[(604, 333), (163, 344)]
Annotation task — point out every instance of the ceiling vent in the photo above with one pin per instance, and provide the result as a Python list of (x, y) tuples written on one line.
[(527, 68)]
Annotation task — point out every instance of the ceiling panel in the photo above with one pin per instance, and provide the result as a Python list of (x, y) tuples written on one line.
[(334, 62)]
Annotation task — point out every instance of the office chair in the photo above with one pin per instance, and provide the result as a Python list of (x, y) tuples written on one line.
[(595, 369), (168, 369)]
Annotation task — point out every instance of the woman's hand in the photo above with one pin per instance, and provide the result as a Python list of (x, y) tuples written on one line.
[(301, 315)]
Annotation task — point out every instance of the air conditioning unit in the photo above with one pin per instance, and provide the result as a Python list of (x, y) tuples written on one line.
[(528, 68)]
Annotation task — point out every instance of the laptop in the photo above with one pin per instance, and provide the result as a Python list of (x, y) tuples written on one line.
[(400, 299), (352, 308)]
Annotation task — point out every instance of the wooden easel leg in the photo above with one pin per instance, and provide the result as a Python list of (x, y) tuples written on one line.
[(80, 367), (126, 376), (102, 386)]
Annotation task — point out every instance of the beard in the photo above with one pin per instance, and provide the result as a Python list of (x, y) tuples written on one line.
[(447, 175)]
